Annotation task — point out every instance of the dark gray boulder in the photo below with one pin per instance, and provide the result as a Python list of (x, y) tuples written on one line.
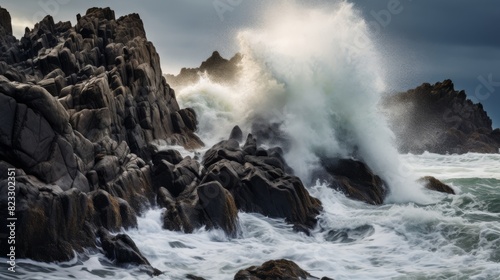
[(208, 205), (51, 223), (175, 178), (80, 106), (236, 134), (354, 178), (171, 156), (226, 149), (434, 184), (260, 183), (122, 250), (112, 213), (275, 269), (216, 67), (219, 207)]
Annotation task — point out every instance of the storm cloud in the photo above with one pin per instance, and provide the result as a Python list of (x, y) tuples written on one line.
[(421, 41)]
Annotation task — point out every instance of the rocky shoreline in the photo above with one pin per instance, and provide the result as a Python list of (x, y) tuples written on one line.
[(86, 114), (439, 119)]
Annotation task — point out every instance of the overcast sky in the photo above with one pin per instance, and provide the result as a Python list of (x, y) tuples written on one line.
[(422, 41)]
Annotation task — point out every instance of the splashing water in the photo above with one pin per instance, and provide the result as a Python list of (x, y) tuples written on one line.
[(318, 74), (458, 237)]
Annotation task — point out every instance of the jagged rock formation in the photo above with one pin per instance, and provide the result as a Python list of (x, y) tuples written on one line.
[(354, 178), (259, 182), (80, 106), (107, 76), (439, 119), (217, 68), (6, 38), (275, 269), (84, 111), (234, 178)]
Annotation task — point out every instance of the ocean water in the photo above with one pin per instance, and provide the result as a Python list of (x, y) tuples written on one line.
[(453, 237), (324, 92)]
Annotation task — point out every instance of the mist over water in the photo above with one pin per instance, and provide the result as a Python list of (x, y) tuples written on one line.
[(318, 74)]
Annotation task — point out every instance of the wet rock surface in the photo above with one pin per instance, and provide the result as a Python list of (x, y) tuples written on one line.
[(51, 222), (275, 269), (354, 178), (80, 106), (233, 178), (434, 184), (85, 110), (259, 183), (122, 250)]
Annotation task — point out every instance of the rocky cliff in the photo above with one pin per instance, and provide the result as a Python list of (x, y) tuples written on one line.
[(439, 119), (86, 122), (80, 107)]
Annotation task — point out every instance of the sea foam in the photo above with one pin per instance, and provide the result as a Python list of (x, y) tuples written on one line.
[(316, 72)]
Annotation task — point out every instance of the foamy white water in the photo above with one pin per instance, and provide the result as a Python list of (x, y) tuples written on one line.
[(319, 74), (396, 241)]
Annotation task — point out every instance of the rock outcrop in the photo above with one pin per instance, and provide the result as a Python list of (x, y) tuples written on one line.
[(275, 269), (437, 118), (122, 250), (434, 184), (80, 107), (354, 178), (233, 177), (85, 110), (216, 68), (258, 181)]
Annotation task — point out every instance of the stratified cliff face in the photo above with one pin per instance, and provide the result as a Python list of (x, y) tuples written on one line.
[(79, 107), (439, 119), (105, 74)]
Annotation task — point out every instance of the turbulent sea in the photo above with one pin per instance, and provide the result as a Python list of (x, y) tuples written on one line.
[(452, 237), (323, 91)]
